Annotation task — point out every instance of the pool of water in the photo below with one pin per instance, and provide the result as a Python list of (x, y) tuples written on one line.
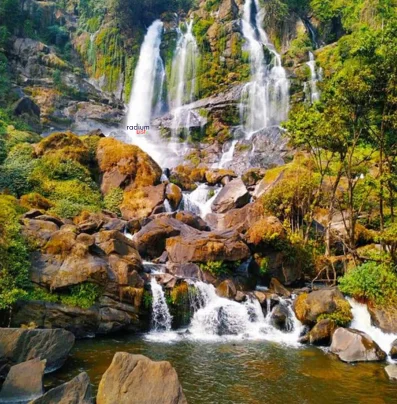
[(234, 372)]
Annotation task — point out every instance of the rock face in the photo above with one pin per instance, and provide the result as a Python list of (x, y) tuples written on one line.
[(384, 318), (309, 306), (355, 346), (233, 195), (24, 382), (19, 345), (136, 379), (280, 317), (227, 289), (322, 332), (77, 391), (26, 106)]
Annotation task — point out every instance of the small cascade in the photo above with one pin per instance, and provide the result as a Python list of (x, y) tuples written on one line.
[(183, 76), (199, 201), (362, 322), (227, 156), (161, 316), (315, 76), (265, 99)]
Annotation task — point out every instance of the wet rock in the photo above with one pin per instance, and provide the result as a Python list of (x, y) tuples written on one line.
[(252, 176), (26, 106), (227, 289), (391, 371), (309, 306), (278, 288), (384, 318), (393, 350), (321, 333), (168, 281), (355, 346), (24, 382), (214, 177), (20, 345), (77, 391), (280, 317), (142, 202), (122, 382), (124, 165), (233, 195), (174, 195), (207, 246)]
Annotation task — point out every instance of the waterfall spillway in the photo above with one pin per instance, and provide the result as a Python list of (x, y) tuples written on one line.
[(161, 316), (315, 76), (200, 200), (362, 322), (147, 87), (265, 99), (183, 76)]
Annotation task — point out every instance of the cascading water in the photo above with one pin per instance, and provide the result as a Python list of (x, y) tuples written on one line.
[(314, 93), (183, 77), (265, 99), (161, 316), (362, 322), (200, 200), (146, 90), (227, 156)]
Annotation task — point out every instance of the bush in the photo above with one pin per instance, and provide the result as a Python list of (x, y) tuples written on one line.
[(342, 317), (371, 281), (113, 200), (83, 295), (216, 268)]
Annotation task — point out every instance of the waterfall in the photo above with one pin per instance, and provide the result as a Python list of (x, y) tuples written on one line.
[(314, 78), (265, 99), (146, 90), (227, 156), (183, 77), (217, 317), (362, 322), (161, 316)]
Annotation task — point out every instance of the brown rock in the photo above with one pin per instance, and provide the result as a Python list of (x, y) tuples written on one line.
[(253, 176), (24, 382), (321, 333), (393, 350), (38, 231), (264, 231), (192, 220), (207, 246), (227, 289), (384, 318), (278, 288), (355, 346), (391, 371), (122, 382), (174, 195), (233, 195), (216, 176), (77, 391), (140, 203)]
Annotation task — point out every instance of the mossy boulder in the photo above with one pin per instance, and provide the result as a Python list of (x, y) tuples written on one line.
[(265, 231), (320, 304), (321, 333), (174, 195), (124, 165)]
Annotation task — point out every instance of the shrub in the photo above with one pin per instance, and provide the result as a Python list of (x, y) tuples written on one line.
[(371, 281), (342, 316), (216, 268), (83, 295), (113, 200)]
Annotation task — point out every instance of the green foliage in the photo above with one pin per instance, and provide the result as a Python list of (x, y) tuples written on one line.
[(83, 295), (147, 300), (14, 254), (42, 295), (342, 316), (216, 268), (371, 281), (113, 200)]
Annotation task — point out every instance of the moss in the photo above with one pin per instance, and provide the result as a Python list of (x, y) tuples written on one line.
[(35, 201), (342, 316), (113, 199), (180, 294)]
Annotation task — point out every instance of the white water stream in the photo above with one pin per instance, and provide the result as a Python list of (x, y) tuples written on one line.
[(265, 99), (161, 316), (314, 78)]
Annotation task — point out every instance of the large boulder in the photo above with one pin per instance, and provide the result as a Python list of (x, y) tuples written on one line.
[(384, 318), (77, 391), (207, 246), (264, 231), (192, 220), (19, 345), (280, 317), (24, 382), (174, 195), (136, 379), (309, 306), (139, 203), (38, 231), (355, 346), (233, 195), (27, 106), (227, 289), (124, 165)]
